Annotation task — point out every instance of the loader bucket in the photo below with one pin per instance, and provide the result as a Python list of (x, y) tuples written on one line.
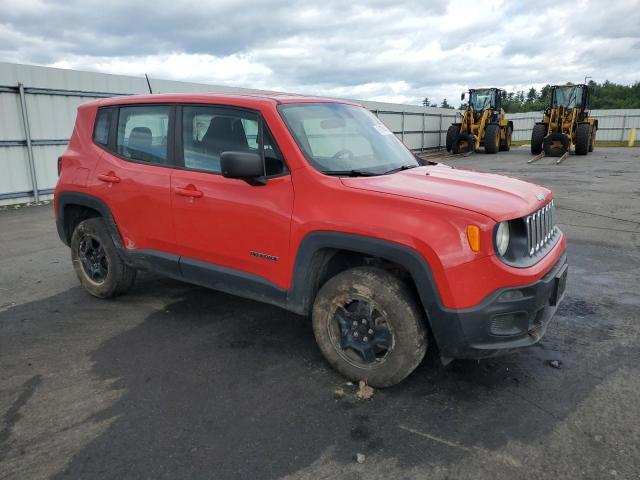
[(556, 144)]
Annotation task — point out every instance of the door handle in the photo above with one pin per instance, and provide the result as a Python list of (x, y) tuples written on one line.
[(109, 178), (188, 191)]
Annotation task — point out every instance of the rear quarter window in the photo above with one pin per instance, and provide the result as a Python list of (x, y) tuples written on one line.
[(102, 125)]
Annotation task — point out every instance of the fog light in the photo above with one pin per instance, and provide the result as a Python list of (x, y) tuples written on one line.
[(507, 324), (511, 295)]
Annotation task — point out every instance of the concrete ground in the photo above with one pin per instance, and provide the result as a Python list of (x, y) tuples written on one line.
[(175, 381)]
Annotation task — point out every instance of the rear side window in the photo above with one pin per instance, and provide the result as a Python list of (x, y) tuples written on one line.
[(101, 130), (142, 133)]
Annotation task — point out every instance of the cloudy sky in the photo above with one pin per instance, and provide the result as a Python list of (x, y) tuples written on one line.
[(392, 50)]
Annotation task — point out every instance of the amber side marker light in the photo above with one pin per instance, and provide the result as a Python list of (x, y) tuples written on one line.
[(473, 236)]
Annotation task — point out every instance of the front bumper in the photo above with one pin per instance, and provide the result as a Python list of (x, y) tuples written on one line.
[(509, 319)]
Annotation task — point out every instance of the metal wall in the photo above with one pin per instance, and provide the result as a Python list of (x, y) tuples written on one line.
[(613, 125)]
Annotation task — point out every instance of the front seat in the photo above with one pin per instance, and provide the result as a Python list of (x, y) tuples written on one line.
[(219, 136)]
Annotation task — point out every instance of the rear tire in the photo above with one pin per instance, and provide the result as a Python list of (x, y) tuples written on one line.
[(537, 138), (505, 145), (99, 267), (452, 135), (492, 138), (583, 139), (353, 309), (592, 143)]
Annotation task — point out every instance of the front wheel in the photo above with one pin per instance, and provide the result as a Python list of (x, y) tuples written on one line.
[(369, 326), (452, 135), (505, 145), (537, 138), (98, 266), (492, 138)]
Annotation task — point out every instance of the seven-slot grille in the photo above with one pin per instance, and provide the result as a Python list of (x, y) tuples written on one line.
[(541, 226)]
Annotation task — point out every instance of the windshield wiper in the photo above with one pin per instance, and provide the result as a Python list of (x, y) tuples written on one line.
[(349, 173), (400, 168)]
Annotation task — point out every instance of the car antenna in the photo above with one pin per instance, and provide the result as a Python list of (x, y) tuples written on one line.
[(148, 83)]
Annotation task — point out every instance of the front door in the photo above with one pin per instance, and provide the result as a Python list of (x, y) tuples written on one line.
[(230, 225)]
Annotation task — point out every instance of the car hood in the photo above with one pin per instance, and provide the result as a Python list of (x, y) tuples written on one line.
[(496, 196)]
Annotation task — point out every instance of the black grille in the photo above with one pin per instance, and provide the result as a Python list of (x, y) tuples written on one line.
[(541, 227)]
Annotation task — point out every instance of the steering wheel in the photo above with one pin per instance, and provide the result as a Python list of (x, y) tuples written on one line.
[(345, 154)]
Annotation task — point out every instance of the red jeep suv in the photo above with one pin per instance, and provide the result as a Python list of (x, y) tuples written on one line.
[(315, 206)]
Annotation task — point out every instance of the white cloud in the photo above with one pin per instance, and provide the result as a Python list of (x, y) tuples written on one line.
[(378, 50)]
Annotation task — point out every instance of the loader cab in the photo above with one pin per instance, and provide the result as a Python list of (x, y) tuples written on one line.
[(570, 96), (486, 98)]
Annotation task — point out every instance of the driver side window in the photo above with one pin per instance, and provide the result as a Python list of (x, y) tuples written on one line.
[(209, 131)]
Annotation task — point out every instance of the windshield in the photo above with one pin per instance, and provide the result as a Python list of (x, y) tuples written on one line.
[(340, 138), (481, 99), (567, 97)]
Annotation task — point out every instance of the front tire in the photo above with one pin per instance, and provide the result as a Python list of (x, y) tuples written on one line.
[(452, 135), (505, 146), (583, 139), (99, 267), (492, 138), (537, 138), (369, 326)]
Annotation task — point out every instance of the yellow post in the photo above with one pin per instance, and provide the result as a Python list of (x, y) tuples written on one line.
[(632, 137)]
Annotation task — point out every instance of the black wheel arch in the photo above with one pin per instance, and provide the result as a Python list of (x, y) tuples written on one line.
[(312, 268), (73, 207)]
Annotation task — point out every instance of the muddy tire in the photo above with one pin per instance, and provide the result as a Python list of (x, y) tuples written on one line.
[(505, 145), (464, 143), (492, 138), (369, 326), (537, 138), (98, 265), (452, 135), (583, 139)]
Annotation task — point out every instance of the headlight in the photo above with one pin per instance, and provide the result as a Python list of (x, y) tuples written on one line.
[(502, 238)]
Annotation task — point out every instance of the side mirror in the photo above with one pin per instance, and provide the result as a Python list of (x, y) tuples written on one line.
[(462, 96), (245, 165)]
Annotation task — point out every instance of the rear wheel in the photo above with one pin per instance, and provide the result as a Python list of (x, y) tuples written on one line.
[(583, 138), (369, 326), (452, 134), (592, 143), (537, 137), (98, 266), (505, 145), (492, 138)]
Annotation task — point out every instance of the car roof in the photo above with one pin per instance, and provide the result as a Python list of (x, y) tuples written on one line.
[(244, 99)]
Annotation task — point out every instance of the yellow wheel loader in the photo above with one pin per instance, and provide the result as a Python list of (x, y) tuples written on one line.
[(566, 124), (483, 124)]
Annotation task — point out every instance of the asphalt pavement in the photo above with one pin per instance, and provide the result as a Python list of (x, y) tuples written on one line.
[(176, 381)]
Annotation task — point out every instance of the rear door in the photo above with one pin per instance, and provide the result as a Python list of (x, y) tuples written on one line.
[(133, 176), (223, 222)]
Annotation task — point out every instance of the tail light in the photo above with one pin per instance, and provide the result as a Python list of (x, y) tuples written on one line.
[(59, 165)]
